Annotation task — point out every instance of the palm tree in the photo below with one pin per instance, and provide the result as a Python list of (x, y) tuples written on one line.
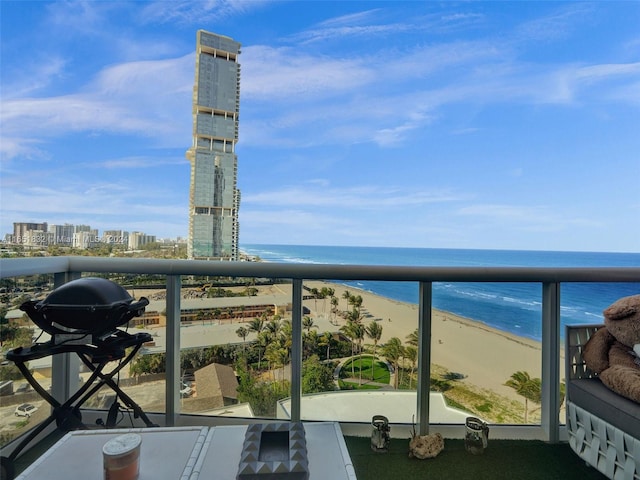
[(403, 355), (374, 332), (359, 331), (273, 327), (330, 292), (242, 332), (411, 353), (286, 333), (272, 357), (256, 325), (262, 342), (278, 355), (529, 388), (347, 296), (325, 341), (412, 338), (392, 350), (349, 331), (354, 316), (307, 322), (357, 302), (310, 342), (334, 304), (316, 294), (200, 316)]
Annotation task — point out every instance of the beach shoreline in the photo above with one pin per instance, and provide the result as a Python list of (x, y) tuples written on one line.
[(486, 356)]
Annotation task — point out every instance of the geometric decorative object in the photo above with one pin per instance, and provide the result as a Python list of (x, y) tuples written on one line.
[(274, 451)]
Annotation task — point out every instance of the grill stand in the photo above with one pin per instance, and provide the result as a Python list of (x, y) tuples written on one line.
[(95, 356)]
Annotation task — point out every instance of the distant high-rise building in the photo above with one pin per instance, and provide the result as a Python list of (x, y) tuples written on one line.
[(21, 231), (138, 239), (62, 234), (115, 237), (83, 239), (214, 198)]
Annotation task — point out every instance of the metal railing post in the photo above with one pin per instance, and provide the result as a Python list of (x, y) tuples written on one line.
[(296, 351), (424, 357), (65, 367), (174, 283), (551, 361)]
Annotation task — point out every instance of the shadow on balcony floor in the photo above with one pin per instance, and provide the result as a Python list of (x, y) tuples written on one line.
[(504, 459)]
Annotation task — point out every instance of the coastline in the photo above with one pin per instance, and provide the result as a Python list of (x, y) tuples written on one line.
[(486, 356)]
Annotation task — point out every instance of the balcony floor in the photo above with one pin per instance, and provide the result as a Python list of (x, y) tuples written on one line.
[(503, 459)]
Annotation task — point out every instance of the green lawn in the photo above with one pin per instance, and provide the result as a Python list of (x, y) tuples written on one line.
[(379, 373)]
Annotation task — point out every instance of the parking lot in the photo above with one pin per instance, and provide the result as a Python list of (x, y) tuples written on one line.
[(149, 396)]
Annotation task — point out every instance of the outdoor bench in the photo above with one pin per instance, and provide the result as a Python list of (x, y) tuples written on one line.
[(603, 427)]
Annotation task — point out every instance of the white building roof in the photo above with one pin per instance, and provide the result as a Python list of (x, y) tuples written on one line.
[(361, 405)]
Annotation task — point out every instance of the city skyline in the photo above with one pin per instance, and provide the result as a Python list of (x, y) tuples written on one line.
[(492, 125), (44, 234)]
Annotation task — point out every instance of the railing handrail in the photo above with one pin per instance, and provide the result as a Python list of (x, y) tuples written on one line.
[(12, 267)]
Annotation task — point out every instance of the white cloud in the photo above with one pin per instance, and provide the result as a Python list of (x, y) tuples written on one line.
[(33, 76), (367, 197), (144, 98), (556, 25), (300, 77), (137, 162), (187, 12), (534, 218)]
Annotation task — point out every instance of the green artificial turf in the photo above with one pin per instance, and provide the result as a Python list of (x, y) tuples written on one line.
[(503, 459)]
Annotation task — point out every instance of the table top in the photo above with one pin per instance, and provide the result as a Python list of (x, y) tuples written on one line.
[(165, 453), (326, 450), (186, 453)]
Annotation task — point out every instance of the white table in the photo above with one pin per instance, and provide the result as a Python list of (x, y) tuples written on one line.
[(166, 453), (186, 453)]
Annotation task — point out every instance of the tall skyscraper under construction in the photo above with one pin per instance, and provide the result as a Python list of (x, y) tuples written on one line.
[(214, 198)]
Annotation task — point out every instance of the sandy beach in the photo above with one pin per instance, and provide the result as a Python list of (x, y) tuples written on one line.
[(486, 356)]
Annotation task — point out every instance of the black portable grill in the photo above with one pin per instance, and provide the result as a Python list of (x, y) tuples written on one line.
[(85, 306), (82, 317)]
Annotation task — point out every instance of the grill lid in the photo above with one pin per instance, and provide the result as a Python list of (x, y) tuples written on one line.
[(86, 305)]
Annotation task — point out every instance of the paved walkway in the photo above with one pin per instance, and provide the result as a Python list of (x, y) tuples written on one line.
[(342, 361), (383, 386)]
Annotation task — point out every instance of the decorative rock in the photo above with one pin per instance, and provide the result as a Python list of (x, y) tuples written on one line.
[(425, 446)]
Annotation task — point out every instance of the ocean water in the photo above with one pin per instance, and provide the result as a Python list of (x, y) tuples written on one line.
[(510, 307)]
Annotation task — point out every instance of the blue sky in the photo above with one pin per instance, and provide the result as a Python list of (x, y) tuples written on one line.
[(503, 125)]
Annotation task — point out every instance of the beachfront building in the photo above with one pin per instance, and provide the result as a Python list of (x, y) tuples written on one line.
[(214, 198)]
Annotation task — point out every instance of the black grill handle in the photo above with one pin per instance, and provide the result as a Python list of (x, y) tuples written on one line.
[(30, 308), (139, 305)]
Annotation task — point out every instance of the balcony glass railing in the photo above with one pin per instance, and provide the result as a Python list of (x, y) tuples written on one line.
[(246, 339)]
